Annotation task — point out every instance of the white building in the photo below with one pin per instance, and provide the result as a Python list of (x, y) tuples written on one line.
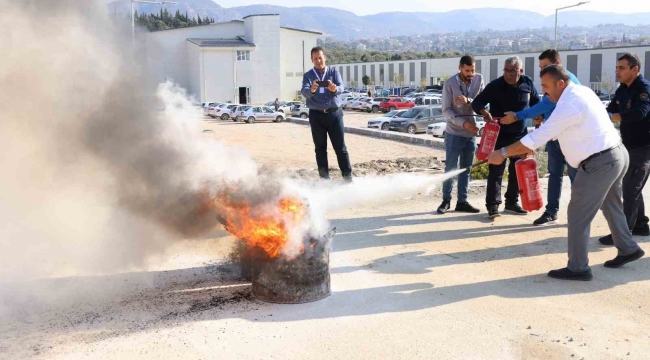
[(591, 66), (251, 61)]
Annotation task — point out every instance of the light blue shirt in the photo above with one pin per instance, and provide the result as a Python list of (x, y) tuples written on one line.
[(544, 107), (323, 98)]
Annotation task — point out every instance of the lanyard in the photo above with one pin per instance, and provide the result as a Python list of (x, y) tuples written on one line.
[(460, 85), (318, 77)]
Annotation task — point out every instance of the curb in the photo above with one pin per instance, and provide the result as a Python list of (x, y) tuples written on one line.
[(394, 136)]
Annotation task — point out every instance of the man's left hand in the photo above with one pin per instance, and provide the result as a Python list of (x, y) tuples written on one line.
[(461, 100), (510, 118), (616, 117), (331, 86), (496, 158)]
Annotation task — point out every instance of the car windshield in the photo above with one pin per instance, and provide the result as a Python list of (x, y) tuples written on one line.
[(409, 114), (390, 113)]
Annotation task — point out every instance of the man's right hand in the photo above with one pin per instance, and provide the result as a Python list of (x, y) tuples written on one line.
[(538, 120), (470, 126), (487, 116), (314, 86)]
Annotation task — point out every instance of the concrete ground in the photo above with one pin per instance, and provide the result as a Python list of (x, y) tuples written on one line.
[(406, 284)]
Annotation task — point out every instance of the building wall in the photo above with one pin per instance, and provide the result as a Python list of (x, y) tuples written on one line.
[(295, 60), (195, 70), (437, 68), (217, 81), (168, 53), (264, 32)]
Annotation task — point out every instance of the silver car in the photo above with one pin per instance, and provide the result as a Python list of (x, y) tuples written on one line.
[(301, 111), (256, 113), (383, 122)]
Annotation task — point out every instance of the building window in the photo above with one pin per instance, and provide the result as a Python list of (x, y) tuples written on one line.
[(243, 55)]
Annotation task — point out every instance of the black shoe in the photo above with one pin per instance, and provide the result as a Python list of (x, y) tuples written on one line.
[(545, 219), (493, 211), (643, 230), (466, 207), (516, 209), (347, 179), (444, 207), (606, 240), (566, 274), (622, 260)]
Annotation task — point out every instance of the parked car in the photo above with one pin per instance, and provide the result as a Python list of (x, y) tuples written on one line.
[(428, 100), (433, 92), (373, 104), (382, 92), (286, 106), (396, 104), (438, 128), (348, 101), (209, 107), (250, 114), (217, 111), (358, 103), (414, 120), (301, 111), (237, 110), (383, 122)]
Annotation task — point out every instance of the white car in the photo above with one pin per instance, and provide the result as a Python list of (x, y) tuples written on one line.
[(348, 101), (251, 114), (301, 111), (373, 104), (358, 104), (219, 111), (383, 122), (437, 129), (209, 107)]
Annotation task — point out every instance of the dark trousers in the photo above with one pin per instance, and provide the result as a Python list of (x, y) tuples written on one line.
[(331, 124), (495, 177), (633, 183)]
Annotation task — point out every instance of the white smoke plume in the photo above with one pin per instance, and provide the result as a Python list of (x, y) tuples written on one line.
[(97, 177)]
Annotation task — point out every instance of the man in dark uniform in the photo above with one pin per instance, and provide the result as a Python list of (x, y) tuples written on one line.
[(631, 107), (513, 91)]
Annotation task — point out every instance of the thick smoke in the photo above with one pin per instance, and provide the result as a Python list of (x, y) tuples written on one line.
[(101, 172), (96, 174)]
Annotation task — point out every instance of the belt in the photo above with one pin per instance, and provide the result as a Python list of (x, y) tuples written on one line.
[(326, 111), (592, 156)]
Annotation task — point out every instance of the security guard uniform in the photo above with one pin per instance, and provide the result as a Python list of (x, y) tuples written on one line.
[(633, 104)]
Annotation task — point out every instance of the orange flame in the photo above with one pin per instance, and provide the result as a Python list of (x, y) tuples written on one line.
[(266, 227)]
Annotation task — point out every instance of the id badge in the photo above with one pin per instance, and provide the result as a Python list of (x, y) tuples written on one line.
[(321, 90)]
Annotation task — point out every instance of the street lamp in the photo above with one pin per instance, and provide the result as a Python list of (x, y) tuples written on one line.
[(161, 3), (562, 8)]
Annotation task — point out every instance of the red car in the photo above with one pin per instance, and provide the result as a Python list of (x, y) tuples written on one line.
[(396, 104)]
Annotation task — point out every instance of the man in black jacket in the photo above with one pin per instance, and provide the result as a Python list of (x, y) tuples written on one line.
[(513, 91), (631, 107)]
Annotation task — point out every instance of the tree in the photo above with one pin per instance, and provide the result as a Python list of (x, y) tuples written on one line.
[(444, 77), (365, 80), (423, 83), (353, 83), (607, 84), (399, 79)]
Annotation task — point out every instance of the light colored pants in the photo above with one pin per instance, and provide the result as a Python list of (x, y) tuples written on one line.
[(598, 185)]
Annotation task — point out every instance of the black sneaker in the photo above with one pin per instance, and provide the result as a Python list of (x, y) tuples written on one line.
[(515, 209), (641, 231), (493, 211), (347, 179), (545, 219), (566, 274), (444, 207), (606, 240), (466, 207)]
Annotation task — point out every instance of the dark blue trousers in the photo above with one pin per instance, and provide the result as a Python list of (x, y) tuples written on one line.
[(331, 124)]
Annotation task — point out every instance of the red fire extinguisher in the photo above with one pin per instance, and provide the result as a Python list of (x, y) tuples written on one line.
[(489, 140), (528, 180)]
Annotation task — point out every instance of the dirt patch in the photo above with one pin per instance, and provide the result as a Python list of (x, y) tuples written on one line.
[(429, 164)]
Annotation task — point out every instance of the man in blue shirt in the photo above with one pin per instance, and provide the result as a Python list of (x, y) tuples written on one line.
[(322, 87), (556, 160), (513, 91)]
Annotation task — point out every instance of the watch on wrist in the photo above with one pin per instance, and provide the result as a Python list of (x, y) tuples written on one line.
[(504, 152)]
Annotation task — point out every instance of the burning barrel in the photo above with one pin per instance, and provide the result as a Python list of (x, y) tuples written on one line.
[(302, 279)]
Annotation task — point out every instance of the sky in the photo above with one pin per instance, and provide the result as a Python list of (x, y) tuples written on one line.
[(546, 7)]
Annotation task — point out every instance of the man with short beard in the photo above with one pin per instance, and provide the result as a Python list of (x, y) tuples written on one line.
[(460, 133)]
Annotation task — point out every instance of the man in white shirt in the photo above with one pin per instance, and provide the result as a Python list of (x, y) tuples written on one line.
[(591, 144)]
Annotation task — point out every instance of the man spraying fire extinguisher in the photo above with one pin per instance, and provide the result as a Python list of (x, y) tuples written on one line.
[(591, 144)]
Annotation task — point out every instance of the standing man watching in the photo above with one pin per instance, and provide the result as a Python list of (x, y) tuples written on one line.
[(592, 145), (556, 160), (513, 91), (322, 87), (276, 104), (460, 134), (631, 107)]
